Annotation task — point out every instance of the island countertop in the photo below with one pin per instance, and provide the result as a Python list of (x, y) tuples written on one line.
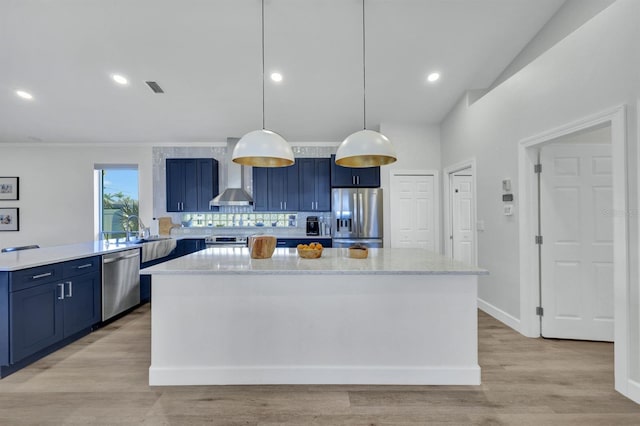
[(285, 261)]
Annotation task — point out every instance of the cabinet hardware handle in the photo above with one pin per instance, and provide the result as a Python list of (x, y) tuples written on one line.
[(86, 265), (61, 294), (285, 205), (358, 180), (353, 180), (70, 289), (35, 277)]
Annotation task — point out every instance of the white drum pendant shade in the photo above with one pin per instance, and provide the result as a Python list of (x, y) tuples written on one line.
[(365, 148), (263, 148)]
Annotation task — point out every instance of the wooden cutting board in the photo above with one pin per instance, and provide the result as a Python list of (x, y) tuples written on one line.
[(165, 224)]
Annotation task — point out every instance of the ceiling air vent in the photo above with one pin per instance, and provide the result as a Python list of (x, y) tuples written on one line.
[(154, 86)]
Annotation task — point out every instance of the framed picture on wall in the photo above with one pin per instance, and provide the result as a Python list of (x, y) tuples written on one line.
[(9, 219), (8, 188)]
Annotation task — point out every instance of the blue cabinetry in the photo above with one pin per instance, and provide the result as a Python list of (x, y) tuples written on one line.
[(293, 242), (315, 184), (36, 319), (191, 183), (45, 307), (348, 177), (276, 188)]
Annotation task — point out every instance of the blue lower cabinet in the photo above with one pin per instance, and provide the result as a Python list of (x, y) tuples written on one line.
[(145, 288), (293, 242), (48, 307), (36, 319), (189, 245), (82, 304)]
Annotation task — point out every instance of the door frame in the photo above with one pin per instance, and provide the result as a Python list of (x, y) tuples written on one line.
[(529, 276), (437, 233), (447, 172)]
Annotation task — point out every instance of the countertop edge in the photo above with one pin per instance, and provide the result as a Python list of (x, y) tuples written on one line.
[(150, 271)]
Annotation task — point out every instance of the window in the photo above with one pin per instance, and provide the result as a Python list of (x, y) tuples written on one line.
[(116, 200)]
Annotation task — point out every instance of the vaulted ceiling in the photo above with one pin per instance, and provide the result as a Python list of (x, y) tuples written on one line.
[(207, 57)]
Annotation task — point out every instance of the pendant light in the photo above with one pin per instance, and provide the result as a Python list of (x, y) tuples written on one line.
[(365, 148), (263, 148)]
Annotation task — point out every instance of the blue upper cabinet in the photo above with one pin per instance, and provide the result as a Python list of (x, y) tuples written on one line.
[(276, 188), (260, 189), (315, 184), (207, 182), (191, 184), (348, 177)]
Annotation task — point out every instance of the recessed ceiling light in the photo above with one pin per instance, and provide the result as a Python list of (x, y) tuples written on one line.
[(120, 79), (24, 95), (276, 76), (433, 77)]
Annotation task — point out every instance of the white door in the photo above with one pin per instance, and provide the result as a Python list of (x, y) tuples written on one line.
[(577, 247), (462, 244), (413, 211)]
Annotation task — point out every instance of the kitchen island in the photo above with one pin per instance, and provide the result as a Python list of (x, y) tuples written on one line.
[(401, 316)]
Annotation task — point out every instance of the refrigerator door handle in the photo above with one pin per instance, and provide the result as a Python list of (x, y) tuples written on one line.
[(355, 215), (360, 214)]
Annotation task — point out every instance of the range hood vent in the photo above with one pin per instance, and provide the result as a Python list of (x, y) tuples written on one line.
[(234, 194)]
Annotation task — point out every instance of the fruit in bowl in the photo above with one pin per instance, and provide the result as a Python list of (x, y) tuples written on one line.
[(310, 251)]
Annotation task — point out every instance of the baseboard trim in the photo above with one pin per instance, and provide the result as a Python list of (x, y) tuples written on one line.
[(317, 375), (499, 314), (633, 391)]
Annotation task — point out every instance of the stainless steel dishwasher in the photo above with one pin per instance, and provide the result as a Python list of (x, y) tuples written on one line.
[(120, 282)]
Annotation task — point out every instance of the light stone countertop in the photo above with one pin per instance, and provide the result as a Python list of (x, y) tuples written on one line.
[(23, 259), (286, 261)]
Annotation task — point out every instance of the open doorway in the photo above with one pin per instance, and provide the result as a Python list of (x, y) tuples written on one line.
[(576, 230), (528, 233)]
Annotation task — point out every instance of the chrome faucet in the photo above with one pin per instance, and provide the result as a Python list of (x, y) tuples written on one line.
[(141, 226)]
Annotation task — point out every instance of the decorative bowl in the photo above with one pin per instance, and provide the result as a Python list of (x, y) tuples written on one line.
[(358, 252), (311, 251)]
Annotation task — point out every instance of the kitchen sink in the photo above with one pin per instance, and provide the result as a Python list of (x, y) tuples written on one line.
[(155, 248)]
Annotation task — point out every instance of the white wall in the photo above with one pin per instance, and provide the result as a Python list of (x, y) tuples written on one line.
[(57, 191), (594, 69), (418, 148)]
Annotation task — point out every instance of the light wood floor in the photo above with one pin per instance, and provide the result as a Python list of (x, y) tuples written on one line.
[(102, 379)]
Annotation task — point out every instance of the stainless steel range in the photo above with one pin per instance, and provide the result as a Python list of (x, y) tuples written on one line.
[(225, 241)]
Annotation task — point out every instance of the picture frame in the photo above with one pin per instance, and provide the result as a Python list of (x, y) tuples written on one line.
[(9, 219), (9, 188)]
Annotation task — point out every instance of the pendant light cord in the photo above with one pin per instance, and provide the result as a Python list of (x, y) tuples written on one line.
[(364, 74), (263, 128)]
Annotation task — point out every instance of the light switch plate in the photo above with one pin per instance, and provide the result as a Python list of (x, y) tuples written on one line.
[(506, 185), (508, 209), (480, 226)]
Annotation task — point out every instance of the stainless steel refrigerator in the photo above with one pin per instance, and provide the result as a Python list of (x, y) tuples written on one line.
[(357, 216)]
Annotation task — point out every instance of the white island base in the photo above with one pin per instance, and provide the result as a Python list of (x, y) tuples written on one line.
[(311, 326)]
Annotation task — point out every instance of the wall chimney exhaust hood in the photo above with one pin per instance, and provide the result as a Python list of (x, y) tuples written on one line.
[(234, 194)]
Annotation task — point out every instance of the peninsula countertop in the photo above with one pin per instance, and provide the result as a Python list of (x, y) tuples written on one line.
[(285, 261), (23, 259)]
